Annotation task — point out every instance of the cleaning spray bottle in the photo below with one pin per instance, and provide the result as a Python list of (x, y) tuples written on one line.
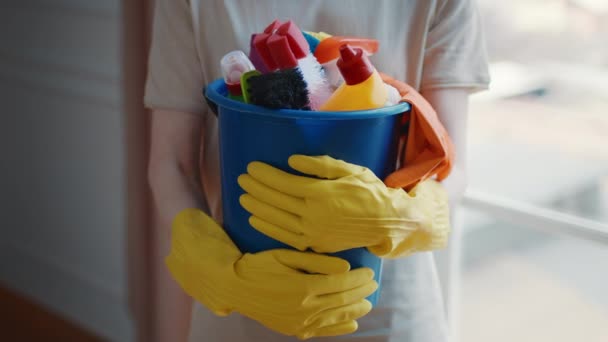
[(362, 88), (234, 64)]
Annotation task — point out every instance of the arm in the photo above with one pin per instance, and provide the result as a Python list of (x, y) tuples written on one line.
[(174, 180), (301, 294), (455, 65), (451, 105)]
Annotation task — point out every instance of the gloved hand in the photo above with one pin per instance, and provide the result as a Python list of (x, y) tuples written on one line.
[(348, 207), (291, 292)]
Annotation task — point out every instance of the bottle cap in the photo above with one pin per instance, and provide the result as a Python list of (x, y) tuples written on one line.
[(354, 65), (234, 64), (329, 48)]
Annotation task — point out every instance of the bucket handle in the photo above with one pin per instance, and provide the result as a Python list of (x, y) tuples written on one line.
[(212, 105)]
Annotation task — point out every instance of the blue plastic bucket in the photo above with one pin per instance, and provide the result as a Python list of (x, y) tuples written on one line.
[(251, 133)]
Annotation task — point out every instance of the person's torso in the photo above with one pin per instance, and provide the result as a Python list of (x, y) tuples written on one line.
[(410, 307), (400, 26)]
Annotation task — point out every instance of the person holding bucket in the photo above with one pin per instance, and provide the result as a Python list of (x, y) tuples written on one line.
[(436, 47)]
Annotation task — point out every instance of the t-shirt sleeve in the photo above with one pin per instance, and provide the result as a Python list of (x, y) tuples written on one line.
[(455, 52), (175, 76)]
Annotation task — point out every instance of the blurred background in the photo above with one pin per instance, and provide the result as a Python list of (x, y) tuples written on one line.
[(533, 249), (539, 145), (73, 203)]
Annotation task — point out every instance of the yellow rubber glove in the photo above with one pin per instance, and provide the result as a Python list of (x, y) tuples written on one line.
[(347, 206), (294, 293)]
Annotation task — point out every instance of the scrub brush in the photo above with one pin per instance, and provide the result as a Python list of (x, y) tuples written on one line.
[(319, 89), (282, 89), (283, 47)]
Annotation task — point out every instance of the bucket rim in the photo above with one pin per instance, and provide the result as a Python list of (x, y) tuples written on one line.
[(216, 93)]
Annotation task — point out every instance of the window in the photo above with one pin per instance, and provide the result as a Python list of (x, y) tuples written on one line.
[(538, 159)]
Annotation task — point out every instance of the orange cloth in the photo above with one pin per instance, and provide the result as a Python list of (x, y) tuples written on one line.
[(429, 150)]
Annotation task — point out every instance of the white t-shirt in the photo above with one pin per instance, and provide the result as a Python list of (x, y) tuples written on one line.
[(426, 43)]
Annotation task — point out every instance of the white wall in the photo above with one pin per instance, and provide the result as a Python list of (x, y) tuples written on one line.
[(62, 159)]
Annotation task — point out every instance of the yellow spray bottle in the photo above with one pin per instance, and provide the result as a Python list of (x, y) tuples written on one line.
[(362, 88)]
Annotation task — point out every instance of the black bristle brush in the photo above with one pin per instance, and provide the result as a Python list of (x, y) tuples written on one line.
[(282, 89)]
